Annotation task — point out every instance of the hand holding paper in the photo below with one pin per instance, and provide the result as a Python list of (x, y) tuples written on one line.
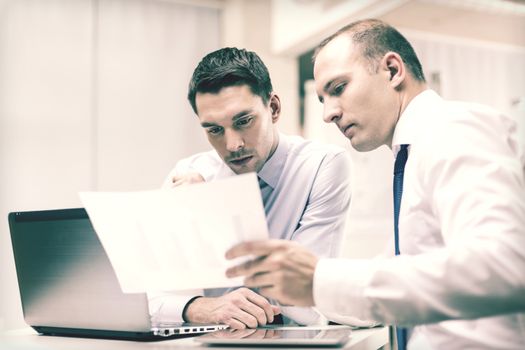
[(176, 239)]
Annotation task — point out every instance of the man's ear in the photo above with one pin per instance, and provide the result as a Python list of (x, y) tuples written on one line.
[(275, 107), (396, 68)]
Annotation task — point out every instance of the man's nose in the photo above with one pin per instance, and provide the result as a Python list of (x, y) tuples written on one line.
[(331, 113), (234, 141)]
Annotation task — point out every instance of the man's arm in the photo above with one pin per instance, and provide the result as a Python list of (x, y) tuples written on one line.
[(475, 189), (478, 273)]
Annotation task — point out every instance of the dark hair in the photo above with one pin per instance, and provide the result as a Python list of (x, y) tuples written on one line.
[(376, 38), (230, 66)]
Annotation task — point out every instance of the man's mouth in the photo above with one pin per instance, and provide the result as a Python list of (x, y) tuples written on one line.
[(348, 130), (241, 160)]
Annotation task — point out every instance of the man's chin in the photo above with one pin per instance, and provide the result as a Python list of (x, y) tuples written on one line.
[(242, 170), (249, 166), (362, 146)]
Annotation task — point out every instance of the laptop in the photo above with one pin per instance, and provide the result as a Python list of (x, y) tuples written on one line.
[(282, 336), (68, 286)]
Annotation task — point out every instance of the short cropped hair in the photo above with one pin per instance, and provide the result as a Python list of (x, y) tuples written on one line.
[(230, 67), (375, 38)]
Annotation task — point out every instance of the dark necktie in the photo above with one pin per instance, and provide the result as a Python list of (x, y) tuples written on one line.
[(399, 168), (266, 190)]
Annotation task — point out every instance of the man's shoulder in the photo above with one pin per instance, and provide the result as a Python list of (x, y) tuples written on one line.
[(457, 129), (325, 165), (456, 119)]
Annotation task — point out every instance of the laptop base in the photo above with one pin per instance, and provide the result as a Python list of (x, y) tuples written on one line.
[(107, 334)]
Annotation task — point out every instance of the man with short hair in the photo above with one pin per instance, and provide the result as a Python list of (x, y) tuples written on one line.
[(459, 201), (304, 185)]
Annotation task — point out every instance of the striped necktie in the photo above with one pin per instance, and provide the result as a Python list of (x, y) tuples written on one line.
[(399, 169)]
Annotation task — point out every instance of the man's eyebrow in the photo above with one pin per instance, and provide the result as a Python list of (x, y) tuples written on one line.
[(207, 124), (326, 88), (242, 114), (236, 117), (329, 84)]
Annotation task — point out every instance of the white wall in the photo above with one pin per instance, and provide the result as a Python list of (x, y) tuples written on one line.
[(92, 97), (474, 70)]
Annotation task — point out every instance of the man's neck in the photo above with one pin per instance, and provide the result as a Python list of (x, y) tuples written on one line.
[(409, 93), (405, 97), (275, 143)]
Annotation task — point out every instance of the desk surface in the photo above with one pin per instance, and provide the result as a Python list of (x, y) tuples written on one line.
[(27, 339)]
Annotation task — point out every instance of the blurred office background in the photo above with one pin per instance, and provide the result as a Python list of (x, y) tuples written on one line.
[(93, 92)]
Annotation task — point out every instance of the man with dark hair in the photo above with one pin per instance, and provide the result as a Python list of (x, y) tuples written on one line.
[(459, 206), (304, 185)]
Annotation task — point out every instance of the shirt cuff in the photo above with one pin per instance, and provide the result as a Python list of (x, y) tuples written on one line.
[(339, 287), (168, 307)]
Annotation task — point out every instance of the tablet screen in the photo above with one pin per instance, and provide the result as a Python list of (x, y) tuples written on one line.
[(285, 336)]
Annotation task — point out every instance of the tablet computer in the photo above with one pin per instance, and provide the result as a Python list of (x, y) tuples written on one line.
[(326, 336)]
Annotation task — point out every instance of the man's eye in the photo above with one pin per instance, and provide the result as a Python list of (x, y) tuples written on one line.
[(214, 131), (243, 122), (339, 89)]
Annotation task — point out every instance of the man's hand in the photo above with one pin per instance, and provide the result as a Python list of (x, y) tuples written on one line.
[(186, 179), (282, 270), (242, 308)]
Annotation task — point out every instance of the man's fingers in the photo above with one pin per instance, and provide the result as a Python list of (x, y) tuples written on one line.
[(258, 248), (186, 179), (276, 309), (247, 268), (178, 181), (259, 265), (270, 292), (246, 317), (262, 303), (260, 279), (235, 324), (259, 312)]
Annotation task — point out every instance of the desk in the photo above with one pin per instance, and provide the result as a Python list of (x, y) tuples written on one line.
[(28, 339)]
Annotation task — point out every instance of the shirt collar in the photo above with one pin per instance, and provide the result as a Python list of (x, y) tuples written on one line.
[(412, 119), (273, 168)]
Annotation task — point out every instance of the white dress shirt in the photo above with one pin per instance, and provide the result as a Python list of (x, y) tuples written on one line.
[(305, 188), (462, 235)]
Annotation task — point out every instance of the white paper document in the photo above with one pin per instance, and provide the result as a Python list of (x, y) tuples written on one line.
[(175, 239)]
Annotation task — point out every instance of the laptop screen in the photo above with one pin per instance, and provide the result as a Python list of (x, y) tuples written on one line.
[(65, 278)]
